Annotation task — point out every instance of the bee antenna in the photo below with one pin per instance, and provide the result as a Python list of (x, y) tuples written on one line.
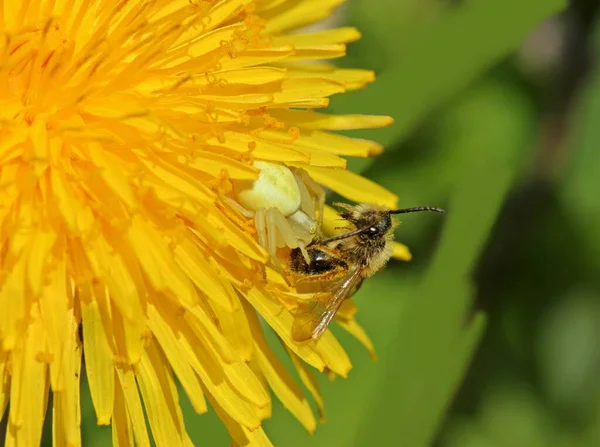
[(345, 235), (417, 209)]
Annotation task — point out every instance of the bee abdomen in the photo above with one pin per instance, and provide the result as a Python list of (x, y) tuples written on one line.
[(320, 262)]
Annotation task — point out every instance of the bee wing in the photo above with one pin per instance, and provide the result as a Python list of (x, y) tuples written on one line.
[(313, 316)]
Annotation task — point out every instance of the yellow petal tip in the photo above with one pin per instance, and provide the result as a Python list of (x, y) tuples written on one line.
[(401, 252)]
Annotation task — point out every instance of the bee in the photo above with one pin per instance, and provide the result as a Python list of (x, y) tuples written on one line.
[(337, 266)]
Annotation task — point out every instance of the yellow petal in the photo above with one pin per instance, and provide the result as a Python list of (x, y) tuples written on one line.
[(77, 219), (353, 186), (309, 119), (338, 145), (158, 262), (11, 145), (331, 220), (234, 326), (240, 435), (122, 428), (224, 9), (309, 381), (316, 52), (66, 414), (122, 284), (212, 373), (322, 159), (329, 36), (281, 322), (203, 326), (215, 164), (133, 404), (238, 238), (4, 382), (252, 58), (316, 156), (250, 76), (212, 40), (243, 101), (401, 252), (352, 327), (293, 90), (177, 178), (333, 353), (302, 13), (29, 388), (160, 398), (56, 313), (128, 337), (98, 362), (351, 79), (193, 262), (170, 346), (108, 265), (40, 147), (41, 244), (110, 170), (261, 148), (14, 304), (329, 352), (279, 379)]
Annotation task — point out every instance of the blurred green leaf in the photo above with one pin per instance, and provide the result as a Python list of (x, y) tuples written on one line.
[(569, 353), (591, 436), (511, 416), (579, 189), (387, 28), (432, 346), (437, 60), (493, 117)]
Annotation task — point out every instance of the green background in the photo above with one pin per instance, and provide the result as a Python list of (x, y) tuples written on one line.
[(490, 336)]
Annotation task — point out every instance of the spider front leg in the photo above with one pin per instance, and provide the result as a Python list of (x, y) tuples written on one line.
[(318, 194), (280, 234), (272, 232), (260, 222)]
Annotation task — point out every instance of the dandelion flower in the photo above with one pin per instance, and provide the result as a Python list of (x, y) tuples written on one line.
[(123, 127)]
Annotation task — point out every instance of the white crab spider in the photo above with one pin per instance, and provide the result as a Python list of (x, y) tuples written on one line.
[(286, 204)]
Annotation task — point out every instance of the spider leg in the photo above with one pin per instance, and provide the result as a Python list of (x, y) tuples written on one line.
[(239, 208), (319, 193), (304, 252), (284, 230), (261, 230), (308, 204), (272, 237)]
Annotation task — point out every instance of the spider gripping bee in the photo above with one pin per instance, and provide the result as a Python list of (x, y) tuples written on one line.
[(333, 269)]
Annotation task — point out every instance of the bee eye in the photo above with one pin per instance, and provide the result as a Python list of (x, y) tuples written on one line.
[(373, 230)]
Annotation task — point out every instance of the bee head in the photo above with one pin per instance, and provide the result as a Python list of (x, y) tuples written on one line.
[(372, 222)]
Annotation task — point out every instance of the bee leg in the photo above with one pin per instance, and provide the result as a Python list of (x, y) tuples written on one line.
[(344, 206)]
